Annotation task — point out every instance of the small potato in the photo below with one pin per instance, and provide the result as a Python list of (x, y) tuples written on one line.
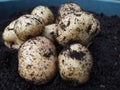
[(28, 26), (10, 38), (45, 13), (50, 31), (67, 29), (90, 27), (68, 8), (37, 60), (75, 62)]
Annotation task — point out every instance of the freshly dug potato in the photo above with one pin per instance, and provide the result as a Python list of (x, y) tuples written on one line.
[(80, 26), (37, 60), (10, 38), (68, 8), (45, 13), (28, 26), (75, 62), (50, 31)]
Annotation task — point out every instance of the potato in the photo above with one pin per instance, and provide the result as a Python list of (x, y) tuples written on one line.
[(75, 62), (28, 26), (80, 26), (45, 13), (37, 60), (10, 38)]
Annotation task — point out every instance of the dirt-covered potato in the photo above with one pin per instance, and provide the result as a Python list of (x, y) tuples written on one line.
[(75, 62), (28, 26), (90, 27), (50, 31), (67, 29), (68, 8), (80, 26), (10, 38), (37, 60), (45, 13)]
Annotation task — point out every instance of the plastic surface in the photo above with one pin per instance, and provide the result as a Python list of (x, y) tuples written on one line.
[(108, 7)]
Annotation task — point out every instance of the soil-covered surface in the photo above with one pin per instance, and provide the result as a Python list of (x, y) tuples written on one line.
[(105, 50)]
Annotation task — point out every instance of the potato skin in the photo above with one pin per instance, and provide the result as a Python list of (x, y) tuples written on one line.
[(75, 63), (45, 13), (10, 38), (50, 32), (67, 8), (67, 29), (28, 26), (37, 60), (80, 26)]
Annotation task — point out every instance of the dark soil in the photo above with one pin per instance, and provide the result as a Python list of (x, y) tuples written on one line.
[(105, 49)]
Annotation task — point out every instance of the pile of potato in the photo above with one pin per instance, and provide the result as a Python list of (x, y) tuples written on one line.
[(33, 35)]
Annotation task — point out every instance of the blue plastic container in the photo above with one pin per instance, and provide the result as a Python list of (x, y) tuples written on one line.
[(107, 7)]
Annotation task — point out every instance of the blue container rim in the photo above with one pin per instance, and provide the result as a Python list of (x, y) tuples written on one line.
[(107, 7)]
